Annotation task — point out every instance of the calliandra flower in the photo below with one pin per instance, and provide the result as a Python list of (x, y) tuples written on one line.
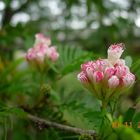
[(42, 52), (106, 77)]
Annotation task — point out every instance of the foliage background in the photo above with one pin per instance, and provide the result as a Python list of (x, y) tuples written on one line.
[(82, 30)]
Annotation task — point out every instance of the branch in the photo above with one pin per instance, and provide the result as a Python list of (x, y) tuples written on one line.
[(60, 126)]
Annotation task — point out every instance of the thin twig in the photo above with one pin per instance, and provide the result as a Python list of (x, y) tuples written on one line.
[(60, 126)]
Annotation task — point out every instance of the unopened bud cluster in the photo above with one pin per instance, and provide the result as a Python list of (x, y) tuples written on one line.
[(107, 77), (42, 51)]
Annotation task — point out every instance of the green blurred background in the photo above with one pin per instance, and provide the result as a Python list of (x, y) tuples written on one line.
[(90, 24)]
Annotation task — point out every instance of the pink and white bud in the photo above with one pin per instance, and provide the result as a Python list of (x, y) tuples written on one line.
[(37, 53), (87, 64), (109, 71), (40, 56), (52, 53), (101, 64), (113, 82), (40, 38), (98, 76), (89, 72), (120, 62), (114, 52), (128, 79), (82, 78), (40, 47), (30, 55), (121, 71)]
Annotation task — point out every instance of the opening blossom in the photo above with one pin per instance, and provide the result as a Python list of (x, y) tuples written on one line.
[(42, 51), (107, 77)]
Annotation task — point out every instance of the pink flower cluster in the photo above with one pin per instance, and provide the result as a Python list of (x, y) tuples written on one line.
[(41, 50), (105, 77)]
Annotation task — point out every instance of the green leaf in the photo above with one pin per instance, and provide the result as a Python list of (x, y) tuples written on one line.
[(136, 68), (6, 111), (95, 118), (18, 112), (73, 113), (126, 133), (75, 64), (136, 121), (112, 136), (68, 54), (11, 67), (129, 115)]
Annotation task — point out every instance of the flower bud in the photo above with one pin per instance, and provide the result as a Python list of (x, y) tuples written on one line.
[(98, 76), (109, 71), (120, 62), (30, 55), (83, 78), (87, 64), (36, 53), (121, 71), (40, 38), (114, 52), (101, 64), (128, 79), (52, 53), (113, 82), (90, 71)]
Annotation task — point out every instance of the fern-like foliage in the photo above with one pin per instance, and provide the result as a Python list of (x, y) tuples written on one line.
[(71, 58), (136, 68)]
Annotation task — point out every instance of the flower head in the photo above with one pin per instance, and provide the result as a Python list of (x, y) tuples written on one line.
[(41, 51), (107, 76)]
